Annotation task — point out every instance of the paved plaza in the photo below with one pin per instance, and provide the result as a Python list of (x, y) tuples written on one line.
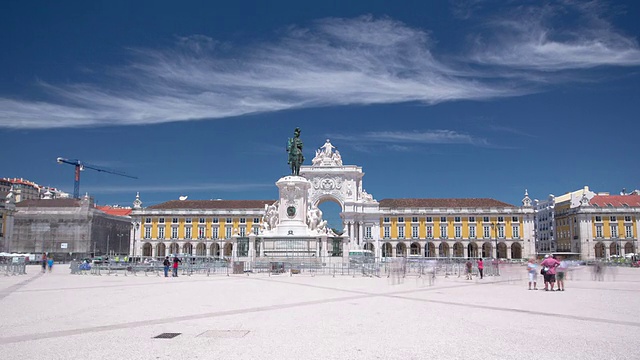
[(62, 316)]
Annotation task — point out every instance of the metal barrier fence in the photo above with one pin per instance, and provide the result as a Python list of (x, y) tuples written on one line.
[(12, 269), (397, 268)]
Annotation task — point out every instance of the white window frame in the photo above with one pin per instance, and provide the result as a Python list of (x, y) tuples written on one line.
[(174, 232), (187, 232), (400, 232), (367, 232), (515, 231), (415, 234), (386, 232), (202, 232), (614, 231), (228, 232), (472, 232), (628, 229), (501, 232), (147, 232), (458, 231), (444, 232), (161, 232), (429, 231), (486, 232), (215, 232)]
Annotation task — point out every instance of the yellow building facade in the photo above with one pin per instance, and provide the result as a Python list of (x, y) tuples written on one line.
[(599, 227)]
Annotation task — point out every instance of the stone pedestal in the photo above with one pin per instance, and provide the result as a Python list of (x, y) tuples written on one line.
[(292, 206)]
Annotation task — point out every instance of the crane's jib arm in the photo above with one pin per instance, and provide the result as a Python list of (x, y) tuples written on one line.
[(107, 171)]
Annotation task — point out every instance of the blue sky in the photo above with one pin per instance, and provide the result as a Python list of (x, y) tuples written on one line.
[(431, 98)]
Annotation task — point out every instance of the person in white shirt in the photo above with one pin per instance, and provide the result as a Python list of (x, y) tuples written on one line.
[(532, 271)]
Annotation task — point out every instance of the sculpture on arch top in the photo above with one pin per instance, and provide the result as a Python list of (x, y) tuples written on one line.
[(327, 155), (294, 148)]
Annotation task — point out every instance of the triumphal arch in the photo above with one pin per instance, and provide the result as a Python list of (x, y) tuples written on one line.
[(293, 225)]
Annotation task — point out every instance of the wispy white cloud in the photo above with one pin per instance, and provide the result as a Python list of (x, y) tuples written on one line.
[(357, 61), (334, 62), (400, 139), (560, 36), (179, 188)]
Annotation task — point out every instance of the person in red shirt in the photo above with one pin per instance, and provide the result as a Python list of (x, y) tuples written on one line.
[(175, 266), (480, 267)]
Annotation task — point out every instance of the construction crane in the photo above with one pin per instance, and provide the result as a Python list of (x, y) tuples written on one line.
[(80, 166)]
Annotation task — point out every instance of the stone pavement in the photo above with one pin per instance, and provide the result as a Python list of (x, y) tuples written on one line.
[(61, 316)]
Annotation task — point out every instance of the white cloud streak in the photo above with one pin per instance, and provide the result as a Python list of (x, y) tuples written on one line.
[(357, 61), (535, 38), (335, 62), (181, 188), (400, 139)]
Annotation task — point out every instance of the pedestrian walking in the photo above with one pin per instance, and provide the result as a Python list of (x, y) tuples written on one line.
[(166, 263), (44, 263), (469, 265), (175, 266), (50, 263), (562, 271), (532, 270), (480, 267)]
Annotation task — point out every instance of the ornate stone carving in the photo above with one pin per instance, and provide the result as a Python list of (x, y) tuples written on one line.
[(326, 156), (366, 197), (270, 217), (526, 201), (137, 203)]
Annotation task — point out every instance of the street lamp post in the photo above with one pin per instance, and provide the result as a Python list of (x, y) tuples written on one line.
[(495, 233), (494, 226), (120, 235)]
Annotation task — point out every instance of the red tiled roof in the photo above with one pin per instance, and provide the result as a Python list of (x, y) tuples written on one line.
[(442, 203), (21, 181), (615, 200), (114, 211), (213, 204), (49, 203)]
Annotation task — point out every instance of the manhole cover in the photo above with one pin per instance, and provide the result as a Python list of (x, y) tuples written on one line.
[(224, 334), (167, 335)]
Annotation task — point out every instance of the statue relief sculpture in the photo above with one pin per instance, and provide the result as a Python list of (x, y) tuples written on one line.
[(314, 220), (270, 218), (294, 148), (327, 155)]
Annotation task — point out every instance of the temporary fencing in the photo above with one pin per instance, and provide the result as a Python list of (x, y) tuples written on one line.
[(13, 268), (395, 269)]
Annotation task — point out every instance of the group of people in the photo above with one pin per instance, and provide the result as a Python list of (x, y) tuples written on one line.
[(47, 263), (553, 268), (469, 266), (171, 264)]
